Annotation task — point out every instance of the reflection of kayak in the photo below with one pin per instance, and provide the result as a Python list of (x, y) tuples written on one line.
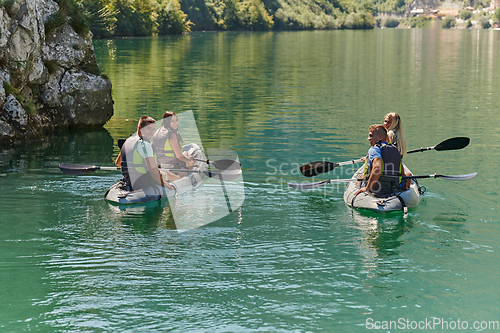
[(120, 195), (399, 201)]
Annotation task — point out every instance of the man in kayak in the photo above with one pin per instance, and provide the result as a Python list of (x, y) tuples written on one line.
[(383, 160), (137, 158)]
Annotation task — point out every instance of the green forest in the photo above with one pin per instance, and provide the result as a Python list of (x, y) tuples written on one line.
[(108, 18)]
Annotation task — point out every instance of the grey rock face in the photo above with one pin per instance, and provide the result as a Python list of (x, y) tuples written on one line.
[(13, 113), (6, 130), (86, 98), (48, 74)]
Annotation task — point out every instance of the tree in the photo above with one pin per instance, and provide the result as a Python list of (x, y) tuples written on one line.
[(101, 15), (465, 14), (391, 22), (135, 17), (484, 21), (448, 22), (496, 15), (171, 19), (253, 15)]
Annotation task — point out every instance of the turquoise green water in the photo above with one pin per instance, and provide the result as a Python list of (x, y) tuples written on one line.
[(285, 260)]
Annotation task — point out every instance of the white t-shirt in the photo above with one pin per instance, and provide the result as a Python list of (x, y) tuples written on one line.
[(145, 149)]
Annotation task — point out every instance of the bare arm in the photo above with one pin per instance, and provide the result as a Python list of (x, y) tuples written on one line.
[(153, 170), (377, 165), (118, 161), (178, 154)]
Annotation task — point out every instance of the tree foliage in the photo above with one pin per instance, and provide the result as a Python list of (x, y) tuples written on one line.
[(496, 15), (252, 15), (391, 22), (465, 14), (171, 19), (101, 15), (448, 22), (147, 17), (135, 17), (484, 21)]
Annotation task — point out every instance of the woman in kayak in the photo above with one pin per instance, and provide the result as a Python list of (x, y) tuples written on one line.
[(137, 158), (394, 127), (168, 142)]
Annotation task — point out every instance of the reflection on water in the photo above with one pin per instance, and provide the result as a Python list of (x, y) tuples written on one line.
[(77, 147), (145, 218), (208, 203), (379, 236)]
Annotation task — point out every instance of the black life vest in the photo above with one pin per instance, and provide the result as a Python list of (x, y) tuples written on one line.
[(390, 179)]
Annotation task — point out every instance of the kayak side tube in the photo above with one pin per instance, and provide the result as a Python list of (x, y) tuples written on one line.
[(398, 202), (118, 194)]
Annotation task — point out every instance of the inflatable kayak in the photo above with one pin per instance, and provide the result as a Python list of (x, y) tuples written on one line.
[(402, 200), (120, 194)]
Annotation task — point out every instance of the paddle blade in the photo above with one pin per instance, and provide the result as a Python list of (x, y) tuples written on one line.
[(452, 144), (121, 142), (317, 168), (458, 177), (77, 170), (226, 164)]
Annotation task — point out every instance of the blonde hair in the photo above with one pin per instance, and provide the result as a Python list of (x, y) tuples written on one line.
[(395, 132)]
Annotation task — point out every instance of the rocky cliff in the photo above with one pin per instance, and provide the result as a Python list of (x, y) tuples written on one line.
[(51, 80)]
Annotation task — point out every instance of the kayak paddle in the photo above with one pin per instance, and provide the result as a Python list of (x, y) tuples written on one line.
[(217, 174), (450, 177), (223, 164), (448, 144), (316, 168), (308, 186), (78, 170)]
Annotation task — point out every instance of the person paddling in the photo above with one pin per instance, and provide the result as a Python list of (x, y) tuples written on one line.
[(169, 143), (394, 128), (383, 160), (137, 158)]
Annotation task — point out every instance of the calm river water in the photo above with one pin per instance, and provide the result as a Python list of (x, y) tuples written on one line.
[(285, 261)]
